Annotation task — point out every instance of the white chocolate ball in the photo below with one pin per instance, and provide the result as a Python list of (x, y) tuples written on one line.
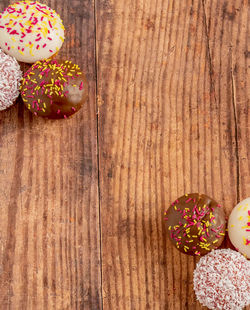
[(30, 31), (239, 227)]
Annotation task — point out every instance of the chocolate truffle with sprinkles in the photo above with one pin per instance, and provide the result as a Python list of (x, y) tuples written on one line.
[(30, 31), (195, 224), (222, 280), (54, 88), (10, 78)]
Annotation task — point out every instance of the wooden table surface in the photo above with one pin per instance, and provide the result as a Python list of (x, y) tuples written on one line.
[(82, 200)]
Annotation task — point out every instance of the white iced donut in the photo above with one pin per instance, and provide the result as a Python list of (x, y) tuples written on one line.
[(30, 31), (239, 227), (10, 78)]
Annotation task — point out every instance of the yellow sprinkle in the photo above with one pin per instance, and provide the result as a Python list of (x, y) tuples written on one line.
[(240, 218), (239, 208), (169, 228), (43, 109), (194, 236), (216, 240)]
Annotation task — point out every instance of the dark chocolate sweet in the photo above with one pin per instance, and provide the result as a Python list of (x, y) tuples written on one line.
[(54, 88), (195, 224)]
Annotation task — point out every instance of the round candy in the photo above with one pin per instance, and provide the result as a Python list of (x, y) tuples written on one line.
[(30, 31), (10, 77), (222, 280), (239, 227), (54, 88), (195, 224)]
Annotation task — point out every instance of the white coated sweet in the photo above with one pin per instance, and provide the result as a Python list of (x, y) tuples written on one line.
[(30, 31), (10, 78), (239, 227)]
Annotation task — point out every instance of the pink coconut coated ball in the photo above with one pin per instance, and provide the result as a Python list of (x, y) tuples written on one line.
[(10, 78), (222, 280)]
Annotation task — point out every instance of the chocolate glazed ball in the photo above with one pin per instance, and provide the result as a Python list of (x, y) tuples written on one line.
[(54, 88), (196, 224)]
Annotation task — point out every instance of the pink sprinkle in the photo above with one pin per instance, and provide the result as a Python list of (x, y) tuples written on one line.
[(248, 224), (14, 32), (49, 39), (194, 247), (44, 45), (38, 39), (58, 112), (247, 229), (189, 199), (74, 109), (50, 24), (37, 47), (247, 242), (81, 86), (249, 212), (64, 116), (213, 230), (51, 51)]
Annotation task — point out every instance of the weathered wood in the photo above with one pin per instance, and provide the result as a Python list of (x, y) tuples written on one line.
[(173, 103), (228, 39), (49, 235), (166, 127)]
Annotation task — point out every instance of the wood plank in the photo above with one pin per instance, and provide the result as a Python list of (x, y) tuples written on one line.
[(228, 23), (49, 223), (227, 28), (163, 131)]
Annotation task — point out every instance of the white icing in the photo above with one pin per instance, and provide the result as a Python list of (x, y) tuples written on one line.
[(30, 31), (238, 229)]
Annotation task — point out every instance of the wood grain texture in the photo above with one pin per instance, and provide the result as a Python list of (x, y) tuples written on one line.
[(228, 40), (167, 100), (229, 25), (172, 118), (49, 235)]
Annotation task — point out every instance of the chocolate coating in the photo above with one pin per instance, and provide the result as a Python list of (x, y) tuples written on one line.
[(196, 224), (54, 88)]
